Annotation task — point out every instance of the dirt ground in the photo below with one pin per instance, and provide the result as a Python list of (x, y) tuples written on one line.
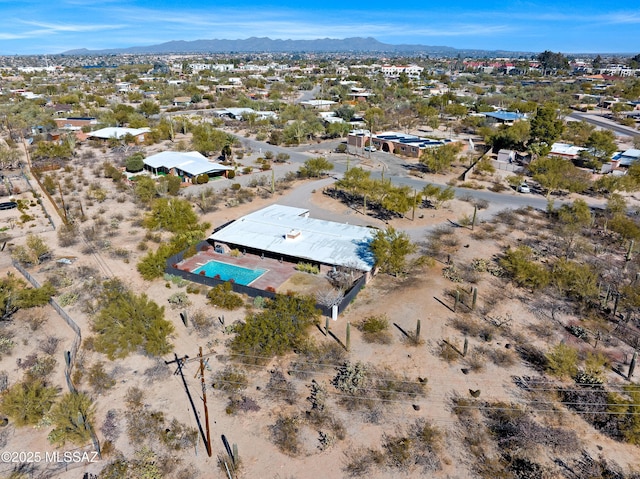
[(421, 296)]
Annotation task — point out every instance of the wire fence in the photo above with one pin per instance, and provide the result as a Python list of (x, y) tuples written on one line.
[(71, 354), (46, 213)]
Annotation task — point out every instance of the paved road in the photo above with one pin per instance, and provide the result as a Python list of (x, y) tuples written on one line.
[(379, 163), (604, 123)]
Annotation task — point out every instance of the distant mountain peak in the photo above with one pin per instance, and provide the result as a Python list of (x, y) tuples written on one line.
[(268, 45)]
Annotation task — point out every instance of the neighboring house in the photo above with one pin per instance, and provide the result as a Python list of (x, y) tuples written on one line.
[(242, 113), (119, 133), (318, 104), (224, 88), (503, 117), (626, 158), (394, 71), (565, 150), (287, 232), (394, 142), (75, 123), (181, 101), (186, 165)]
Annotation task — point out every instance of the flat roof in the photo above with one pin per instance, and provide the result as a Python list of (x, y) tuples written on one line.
[(411, 140), (117, 132), (192, 162), (289, 231), (504, 115), (565, 149)]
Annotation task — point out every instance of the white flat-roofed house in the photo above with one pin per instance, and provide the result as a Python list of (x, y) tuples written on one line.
[(119, 133), (186, 165), (394, 71), (565, 150), (318, 104), (289, 232)]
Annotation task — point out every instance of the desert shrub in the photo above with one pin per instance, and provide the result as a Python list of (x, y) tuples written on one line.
[(278, 387), (389, 385), (307, 268), (179, 300), (6, 344), (224, 297), (68, 235), (231, 174), (562, 361), (4, 382), (157, 372), (241, 404), (375, 329), (280, 327), (41, 367), (475, 361), (515, 430), (144, 327), (34, 252), (177, 436), (135, 163), (500, 357), (99, 379), (230, 379), (360, 461), (110, 428), (28, 401), (316, 357), (144, 424), (285, 434), (469, 326), (350, 378), (72, 417), (447, 352), (532, 355), (520, 265), (419, 446), (201, 322)]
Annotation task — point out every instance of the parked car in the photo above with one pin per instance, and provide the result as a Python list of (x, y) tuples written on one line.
[(524, 188), (369, 148)]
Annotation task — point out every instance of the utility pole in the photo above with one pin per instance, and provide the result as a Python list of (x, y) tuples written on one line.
[(204, 400), (181, 362)]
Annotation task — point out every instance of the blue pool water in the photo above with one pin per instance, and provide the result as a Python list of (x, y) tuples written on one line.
[(227, 271)]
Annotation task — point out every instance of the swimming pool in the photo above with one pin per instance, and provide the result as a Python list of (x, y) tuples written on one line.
[(227, 271)]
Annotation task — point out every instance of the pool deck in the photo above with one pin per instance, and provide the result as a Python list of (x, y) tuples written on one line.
[(277, 272)]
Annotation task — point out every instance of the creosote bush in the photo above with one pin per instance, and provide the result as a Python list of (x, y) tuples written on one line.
[(224, 297), (286, 434), (230, 379), (375, 329)]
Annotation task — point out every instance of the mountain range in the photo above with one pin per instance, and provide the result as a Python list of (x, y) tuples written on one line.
[(267, 45)]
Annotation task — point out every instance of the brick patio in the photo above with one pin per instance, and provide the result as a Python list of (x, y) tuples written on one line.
[(277, 272)]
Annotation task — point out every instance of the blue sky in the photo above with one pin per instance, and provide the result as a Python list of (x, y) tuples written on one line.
[(54, 26)]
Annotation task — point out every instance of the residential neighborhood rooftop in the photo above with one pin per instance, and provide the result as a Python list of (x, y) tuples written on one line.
[(117, 132), (192, 163)]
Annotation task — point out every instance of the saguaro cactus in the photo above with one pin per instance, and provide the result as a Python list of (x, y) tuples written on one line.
[(348, 340), (632, 365)]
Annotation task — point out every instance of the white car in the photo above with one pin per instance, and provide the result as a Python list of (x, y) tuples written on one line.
[(369, 148), (524, 188)]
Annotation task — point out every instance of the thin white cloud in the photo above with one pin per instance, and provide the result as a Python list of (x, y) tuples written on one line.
[(11, 36), (75, 28)]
